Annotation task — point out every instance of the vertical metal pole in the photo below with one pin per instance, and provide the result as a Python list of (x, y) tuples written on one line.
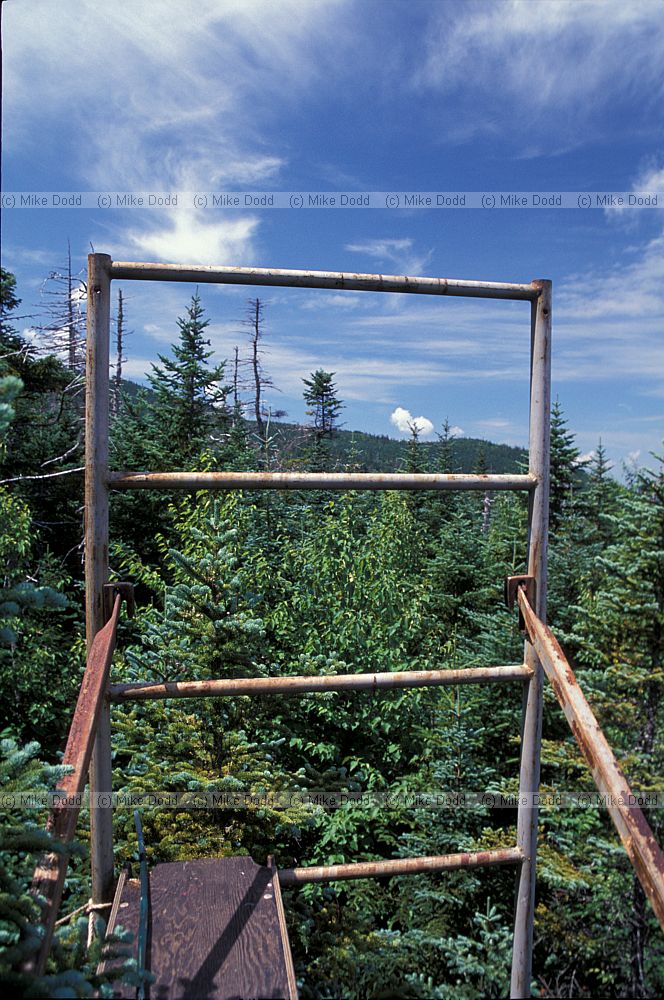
[(540, 407), (96, 553)]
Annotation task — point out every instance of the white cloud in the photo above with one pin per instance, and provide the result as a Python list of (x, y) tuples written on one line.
[(399, 253), (404, 422), (169, 96), (343, 300), (187, 237), (498, 423), (457, 432), (649, 181), (512, 35), (155, 97), (566, 60)]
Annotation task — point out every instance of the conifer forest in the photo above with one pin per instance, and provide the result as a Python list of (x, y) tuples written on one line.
[(261, 584)]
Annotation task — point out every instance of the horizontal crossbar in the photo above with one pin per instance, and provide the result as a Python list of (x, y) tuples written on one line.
[(401, 866), (347, 281), (327, 682), (317, 481)]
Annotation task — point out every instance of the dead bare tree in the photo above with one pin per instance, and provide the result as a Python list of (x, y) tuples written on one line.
[(120, 335), (259, 379), (255, 323), (63, 334)]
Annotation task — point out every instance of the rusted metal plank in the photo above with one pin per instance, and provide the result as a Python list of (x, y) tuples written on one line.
[(49, 875), (637, 837), (96, 550), (317, 481), (401, 866), (349, 281), (531, 735), (301, 685)]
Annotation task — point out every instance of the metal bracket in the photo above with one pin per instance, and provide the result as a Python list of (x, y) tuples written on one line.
[(512, 584), (126, 592)]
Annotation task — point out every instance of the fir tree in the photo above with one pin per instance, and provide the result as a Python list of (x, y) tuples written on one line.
[(44, 435), (620, 630), (324, 408), (72, 965), (564, 467), (189, 398)]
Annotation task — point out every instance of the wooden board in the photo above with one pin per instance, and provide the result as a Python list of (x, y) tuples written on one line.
[(216, 931)]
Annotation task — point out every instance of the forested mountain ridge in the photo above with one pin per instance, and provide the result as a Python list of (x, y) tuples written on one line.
[(242, 584), (380, 452)]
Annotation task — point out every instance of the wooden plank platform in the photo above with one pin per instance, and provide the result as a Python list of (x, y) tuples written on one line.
[(216, 931)]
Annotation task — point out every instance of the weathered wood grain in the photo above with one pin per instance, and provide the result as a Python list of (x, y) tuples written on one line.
[(214, 932)]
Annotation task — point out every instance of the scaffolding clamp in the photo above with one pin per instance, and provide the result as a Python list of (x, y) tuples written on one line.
[(512, 585), (126, 593)]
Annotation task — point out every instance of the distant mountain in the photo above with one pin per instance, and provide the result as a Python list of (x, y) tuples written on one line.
[(380, 453)]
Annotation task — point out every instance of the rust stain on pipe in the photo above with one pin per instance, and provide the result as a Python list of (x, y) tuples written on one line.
[(49, 876), (638, 839), (401, 866), (344, 280), (301, 685), (318, 481)]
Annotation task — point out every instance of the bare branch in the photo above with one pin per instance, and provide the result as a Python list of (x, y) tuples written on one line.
[(47, 475), (61, 458)]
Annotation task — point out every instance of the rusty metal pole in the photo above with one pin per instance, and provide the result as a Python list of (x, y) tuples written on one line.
[(220, 688), (281, 278), (96, 554), (529, 776), (400, 866), (318, 481), (623, 805)]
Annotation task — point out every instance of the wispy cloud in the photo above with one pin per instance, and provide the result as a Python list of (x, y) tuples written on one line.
[(501, 428), (399, 253), (568, 60), (157, 98), (648, 182)]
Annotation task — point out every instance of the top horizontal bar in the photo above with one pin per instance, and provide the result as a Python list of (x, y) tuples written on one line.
[(317, 481), (135, 271)]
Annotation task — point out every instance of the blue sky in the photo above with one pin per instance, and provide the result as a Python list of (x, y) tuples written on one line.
[(234, 95)]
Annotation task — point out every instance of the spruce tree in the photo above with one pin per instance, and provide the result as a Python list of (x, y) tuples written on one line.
[(189, 398), (324, 408), (620, 631), (564, 467)]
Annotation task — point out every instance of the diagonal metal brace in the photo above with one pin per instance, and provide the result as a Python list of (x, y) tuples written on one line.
[(527, 583), (126, 592)]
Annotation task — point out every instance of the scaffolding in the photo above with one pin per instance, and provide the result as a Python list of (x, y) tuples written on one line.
[(90, 738)]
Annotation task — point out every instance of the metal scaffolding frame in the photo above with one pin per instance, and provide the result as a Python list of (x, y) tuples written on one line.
[(99, 479)]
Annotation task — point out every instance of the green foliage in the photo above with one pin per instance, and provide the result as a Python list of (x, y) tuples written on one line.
[(71, 970), (208, 628), (10, 387), (320, 394), (564, 467), (39, 428), (186, 391), (35, 655)]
